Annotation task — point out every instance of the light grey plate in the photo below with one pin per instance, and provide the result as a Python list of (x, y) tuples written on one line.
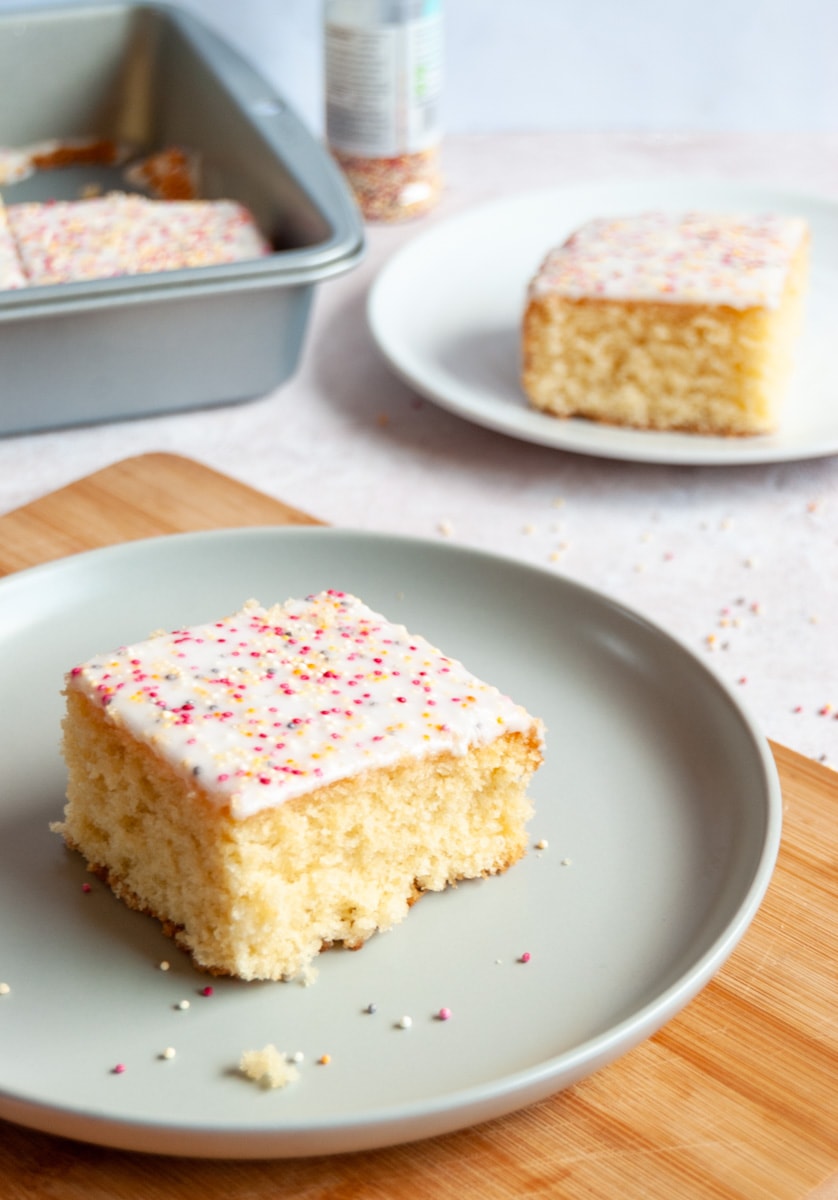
[(659, 800), (446, 312)]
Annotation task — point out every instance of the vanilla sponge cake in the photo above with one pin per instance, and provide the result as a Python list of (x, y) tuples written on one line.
[(284, 779), (659, 321)]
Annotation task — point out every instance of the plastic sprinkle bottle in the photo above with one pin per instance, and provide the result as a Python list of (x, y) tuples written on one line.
[(383, 89)]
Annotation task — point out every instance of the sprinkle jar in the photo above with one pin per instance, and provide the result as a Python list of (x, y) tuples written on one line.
[(383, 74)]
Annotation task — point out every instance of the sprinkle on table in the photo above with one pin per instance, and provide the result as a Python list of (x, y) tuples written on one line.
[(444, 1014), (525, 957), (405, 1022), (182, 1005), (4, 989)]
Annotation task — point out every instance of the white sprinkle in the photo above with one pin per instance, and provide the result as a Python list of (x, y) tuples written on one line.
[(182, 1005), (164, 966), (4, 989), (297, 1056), (169, 1052), (566, 862), (542, 844), (405, 1022)]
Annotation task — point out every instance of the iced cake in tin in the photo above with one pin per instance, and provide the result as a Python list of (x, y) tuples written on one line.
[(66, 241)]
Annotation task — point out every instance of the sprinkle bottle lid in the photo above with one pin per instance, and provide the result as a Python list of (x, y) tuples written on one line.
[(383, 77)]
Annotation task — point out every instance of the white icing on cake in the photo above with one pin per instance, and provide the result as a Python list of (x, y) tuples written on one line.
[(65, 241), (266, 705), (701, 258)]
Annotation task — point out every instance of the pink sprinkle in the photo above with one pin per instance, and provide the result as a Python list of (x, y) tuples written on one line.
[(207, 991), (85, 887), (525, 957), (744, 679), (119, 1069), (444, 1014)]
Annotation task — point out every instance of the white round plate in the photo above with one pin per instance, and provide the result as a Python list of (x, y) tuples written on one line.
[(446, 313), (658, 798)]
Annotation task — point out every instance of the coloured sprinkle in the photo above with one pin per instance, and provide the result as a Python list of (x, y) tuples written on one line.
[(525, 957), (444, 1014)]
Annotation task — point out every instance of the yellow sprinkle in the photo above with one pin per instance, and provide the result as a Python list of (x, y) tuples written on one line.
[(325, 1059)]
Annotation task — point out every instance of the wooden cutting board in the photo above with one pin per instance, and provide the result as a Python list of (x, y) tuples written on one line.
[(736, 1097)]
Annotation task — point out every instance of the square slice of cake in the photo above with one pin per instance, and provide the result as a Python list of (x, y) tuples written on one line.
[(680, 322), (284, 779)]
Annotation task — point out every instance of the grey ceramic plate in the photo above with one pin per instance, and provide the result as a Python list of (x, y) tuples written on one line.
[(659, 801)]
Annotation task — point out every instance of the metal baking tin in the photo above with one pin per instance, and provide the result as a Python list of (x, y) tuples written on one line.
[(152, 75)]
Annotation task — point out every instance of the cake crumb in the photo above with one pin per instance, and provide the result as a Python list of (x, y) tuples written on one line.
[(445, 528), (4, 989), (268, 1067), (566, 862)]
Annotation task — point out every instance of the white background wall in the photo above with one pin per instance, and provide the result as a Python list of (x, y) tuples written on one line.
[(689, 65)]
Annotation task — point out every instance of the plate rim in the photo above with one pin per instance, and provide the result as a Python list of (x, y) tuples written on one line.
[(523, 1086), (573, 434)]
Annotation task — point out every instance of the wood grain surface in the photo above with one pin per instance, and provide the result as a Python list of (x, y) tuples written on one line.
[(736, 1097)]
